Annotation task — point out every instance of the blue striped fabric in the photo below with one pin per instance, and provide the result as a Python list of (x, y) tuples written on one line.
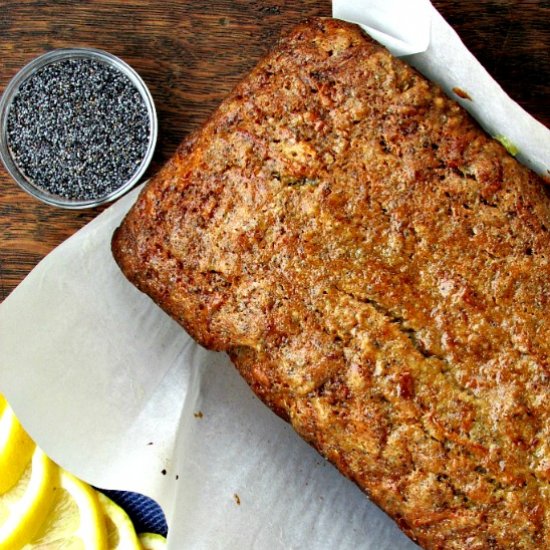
[(144, 512)]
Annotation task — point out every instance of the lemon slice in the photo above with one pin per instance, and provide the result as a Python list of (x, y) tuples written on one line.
[(26, 504), (121, 534), (75, 521), (16, 448), (152, 541)]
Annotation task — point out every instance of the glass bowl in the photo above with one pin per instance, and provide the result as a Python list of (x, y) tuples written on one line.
[(28, 71)]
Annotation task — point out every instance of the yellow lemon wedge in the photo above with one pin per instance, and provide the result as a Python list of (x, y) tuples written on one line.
[(24, 507), (44, 507), (75, 520), (16, 448), (152, 541), (120, 529)]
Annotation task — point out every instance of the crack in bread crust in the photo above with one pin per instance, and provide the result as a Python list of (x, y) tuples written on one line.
[(377, 268)]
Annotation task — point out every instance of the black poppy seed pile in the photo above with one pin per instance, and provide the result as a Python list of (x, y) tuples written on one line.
[(78, 128)]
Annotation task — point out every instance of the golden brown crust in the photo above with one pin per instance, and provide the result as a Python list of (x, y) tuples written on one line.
[(377, 268)]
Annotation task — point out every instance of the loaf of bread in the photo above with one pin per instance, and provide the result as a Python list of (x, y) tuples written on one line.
[(378, 270)]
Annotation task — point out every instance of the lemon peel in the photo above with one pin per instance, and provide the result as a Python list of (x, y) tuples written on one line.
[(120, 529), (16, 448), (24, 507), (152, 541), (75, 521)]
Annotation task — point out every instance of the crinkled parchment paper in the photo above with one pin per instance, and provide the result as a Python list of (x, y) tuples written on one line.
[(117, 393)]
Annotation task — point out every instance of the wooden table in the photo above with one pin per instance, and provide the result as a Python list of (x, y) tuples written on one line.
[(192, 53)]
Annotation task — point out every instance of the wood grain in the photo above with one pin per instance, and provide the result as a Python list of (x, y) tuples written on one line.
[(192, 53)]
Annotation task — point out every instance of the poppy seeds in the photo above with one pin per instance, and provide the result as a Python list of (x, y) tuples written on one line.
[(78, 129)]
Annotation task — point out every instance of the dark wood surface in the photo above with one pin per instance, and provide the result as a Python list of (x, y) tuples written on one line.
[(192, 53)]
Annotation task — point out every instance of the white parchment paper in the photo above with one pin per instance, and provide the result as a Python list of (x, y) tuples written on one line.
[(118, 394)]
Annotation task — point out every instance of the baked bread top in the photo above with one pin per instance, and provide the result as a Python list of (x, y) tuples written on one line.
[(378, 270)]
